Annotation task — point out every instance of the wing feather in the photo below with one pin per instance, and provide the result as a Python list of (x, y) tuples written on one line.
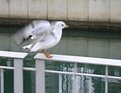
[(33, 30)]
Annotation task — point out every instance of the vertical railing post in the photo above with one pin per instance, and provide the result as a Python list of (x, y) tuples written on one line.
[(1, 81), (18, 76), (40, 76), (60, 83), (106, 79)]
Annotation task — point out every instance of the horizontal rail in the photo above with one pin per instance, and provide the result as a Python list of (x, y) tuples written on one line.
[(83, 74), (29, 69), (10, 54), (80, 59), (60, 72), (12, 68), (65, 58), (6, 67)]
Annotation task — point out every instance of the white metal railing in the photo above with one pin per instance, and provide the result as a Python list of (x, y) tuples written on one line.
[(18, 70), (40, 70), (78, 60)]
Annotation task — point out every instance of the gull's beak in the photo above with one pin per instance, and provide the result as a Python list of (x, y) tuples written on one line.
[(67, 26)]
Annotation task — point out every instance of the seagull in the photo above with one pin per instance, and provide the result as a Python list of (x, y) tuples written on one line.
[(43, 35)]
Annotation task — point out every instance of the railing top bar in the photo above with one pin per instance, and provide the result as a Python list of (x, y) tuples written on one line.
[(10, 54), (80, 59)]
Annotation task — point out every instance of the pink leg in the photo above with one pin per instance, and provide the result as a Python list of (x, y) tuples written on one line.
[(48, 55)]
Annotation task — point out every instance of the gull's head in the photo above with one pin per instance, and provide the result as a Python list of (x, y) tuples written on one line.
[(61, 24)]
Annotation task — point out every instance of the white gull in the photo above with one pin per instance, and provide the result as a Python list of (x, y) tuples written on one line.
[(43, 34)]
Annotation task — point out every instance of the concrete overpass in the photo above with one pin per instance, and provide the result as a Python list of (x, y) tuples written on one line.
[(76, 12)]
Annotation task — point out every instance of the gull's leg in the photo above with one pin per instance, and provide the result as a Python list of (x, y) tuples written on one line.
[(48, 55)]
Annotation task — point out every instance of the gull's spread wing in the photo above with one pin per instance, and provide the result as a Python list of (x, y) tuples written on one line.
[(34, 30)]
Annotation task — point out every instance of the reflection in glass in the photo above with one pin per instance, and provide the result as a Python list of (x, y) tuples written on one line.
[(66, 83), (91, 69), (51, 83), (114, 71), (84, 84), (59, 66), (6, 61), (114, 86)]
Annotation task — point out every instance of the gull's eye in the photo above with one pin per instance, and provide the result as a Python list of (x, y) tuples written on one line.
[(62, 25)]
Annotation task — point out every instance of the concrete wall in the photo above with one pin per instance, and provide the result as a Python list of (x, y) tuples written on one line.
[(81, 10)]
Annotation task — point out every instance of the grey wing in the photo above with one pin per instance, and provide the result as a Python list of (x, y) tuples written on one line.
[(33, 30), (42, 27)]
